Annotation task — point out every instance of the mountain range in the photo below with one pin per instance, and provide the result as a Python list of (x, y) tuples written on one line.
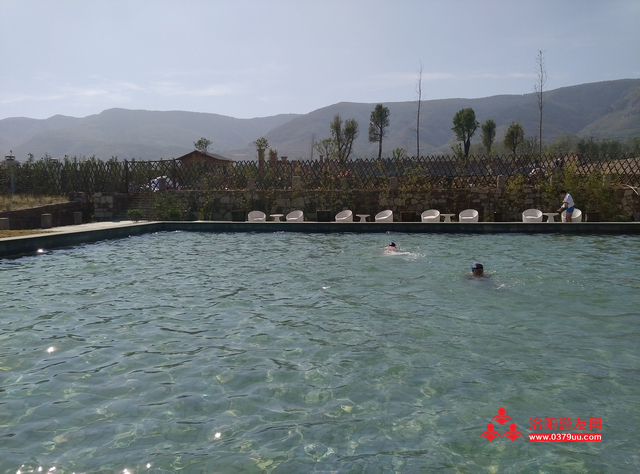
[(601, 110)]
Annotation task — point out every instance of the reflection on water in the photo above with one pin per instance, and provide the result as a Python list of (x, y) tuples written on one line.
[(184, 352)]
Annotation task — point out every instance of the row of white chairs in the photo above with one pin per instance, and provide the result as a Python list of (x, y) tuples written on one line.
[(297, 216), (535, 215), (259, 216), (430, 215)]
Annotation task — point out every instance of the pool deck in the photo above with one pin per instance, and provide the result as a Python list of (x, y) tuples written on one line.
[(69, 236)]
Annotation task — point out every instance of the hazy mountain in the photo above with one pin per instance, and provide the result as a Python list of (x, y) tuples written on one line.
[(603, 110), (127, 134)]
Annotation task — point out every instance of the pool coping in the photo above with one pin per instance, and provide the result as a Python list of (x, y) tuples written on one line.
[(69, 236)]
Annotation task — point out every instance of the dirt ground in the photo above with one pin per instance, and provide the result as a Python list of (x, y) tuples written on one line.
[(19, 233)]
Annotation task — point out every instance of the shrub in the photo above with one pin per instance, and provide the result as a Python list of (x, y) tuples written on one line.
[(134, 215)]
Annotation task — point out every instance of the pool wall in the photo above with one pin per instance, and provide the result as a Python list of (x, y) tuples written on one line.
[(88, 233)]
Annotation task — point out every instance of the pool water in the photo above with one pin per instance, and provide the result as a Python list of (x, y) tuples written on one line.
[(287, 353)]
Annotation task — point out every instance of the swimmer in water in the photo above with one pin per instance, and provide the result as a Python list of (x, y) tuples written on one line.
[(477, 271), (391, 247)]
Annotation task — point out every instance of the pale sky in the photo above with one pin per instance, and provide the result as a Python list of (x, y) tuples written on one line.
[(256, 58)]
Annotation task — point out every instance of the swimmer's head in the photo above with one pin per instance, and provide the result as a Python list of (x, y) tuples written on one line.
[(392, 244), (477, 269)]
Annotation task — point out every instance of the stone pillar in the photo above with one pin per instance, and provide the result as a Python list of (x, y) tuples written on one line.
[(393, 183), (77, 218), (4, 223), (500, 182), (296, 183), (46, 221)]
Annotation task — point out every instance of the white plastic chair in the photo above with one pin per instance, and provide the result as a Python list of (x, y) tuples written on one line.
[(430, 215), (468, 215), (384, 216), (532, 215), (256, 216), (162, 183), (575, 217), (344, 216), (295, 216)]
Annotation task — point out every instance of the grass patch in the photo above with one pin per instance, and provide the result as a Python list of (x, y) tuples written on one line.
[(20, 233), (14, 202)]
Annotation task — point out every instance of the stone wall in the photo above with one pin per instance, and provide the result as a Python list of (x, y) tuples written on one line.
[(107, 206), (61, 214), (492, 204)]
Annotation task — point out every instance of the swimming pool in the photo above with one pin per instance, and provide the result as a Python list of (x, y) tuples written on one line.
[(288, 352)]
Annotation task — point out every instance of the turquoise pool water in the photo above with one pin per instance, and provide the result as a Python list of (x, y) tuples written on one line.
[(287, 353)]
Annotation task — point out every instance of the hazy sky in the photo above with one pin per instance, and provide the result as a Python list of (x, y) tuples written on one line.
[(255, 58)]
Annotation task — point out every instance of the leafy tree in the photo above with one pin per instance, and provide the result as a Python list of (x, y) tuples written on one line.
[(398, 154), (529, 145), (261, 145), (465, 126), (202, 145), (632, 145), (378, 124), (563, 145), (343, 137), (611, 149), (456, 149), (488, 134), (513, 137), (326, 148)]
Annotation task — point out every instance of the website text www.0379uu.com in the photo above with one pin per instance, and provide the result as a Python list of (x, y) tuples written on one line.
[(565, 437)]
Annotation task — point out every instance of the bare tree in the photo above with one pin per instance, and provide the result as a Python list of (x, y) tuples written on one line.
[(312, 145), (419, 92), (541, 81)]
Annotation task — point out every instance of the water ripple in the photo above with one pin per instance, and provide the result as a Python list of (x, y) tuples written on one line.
[(180, 352)]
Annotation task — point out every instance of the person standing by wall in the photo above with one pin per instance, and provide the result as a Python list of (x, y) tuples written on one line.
[(567, 205)]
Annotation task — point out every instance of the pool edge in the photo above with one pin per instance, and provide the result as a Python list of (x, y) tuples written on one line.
[(87, 233)]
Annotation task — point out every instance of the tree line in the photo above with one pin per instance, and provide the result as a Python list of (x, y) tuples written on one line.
[(339, 145)]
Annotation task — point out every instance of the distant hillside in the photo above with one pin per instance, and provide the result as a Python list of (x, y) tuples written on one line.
[(127, 134), (603, 110)]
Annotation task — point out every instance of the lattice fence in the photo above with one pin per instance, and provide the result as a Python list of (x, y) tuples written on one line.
[(48, 176)]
